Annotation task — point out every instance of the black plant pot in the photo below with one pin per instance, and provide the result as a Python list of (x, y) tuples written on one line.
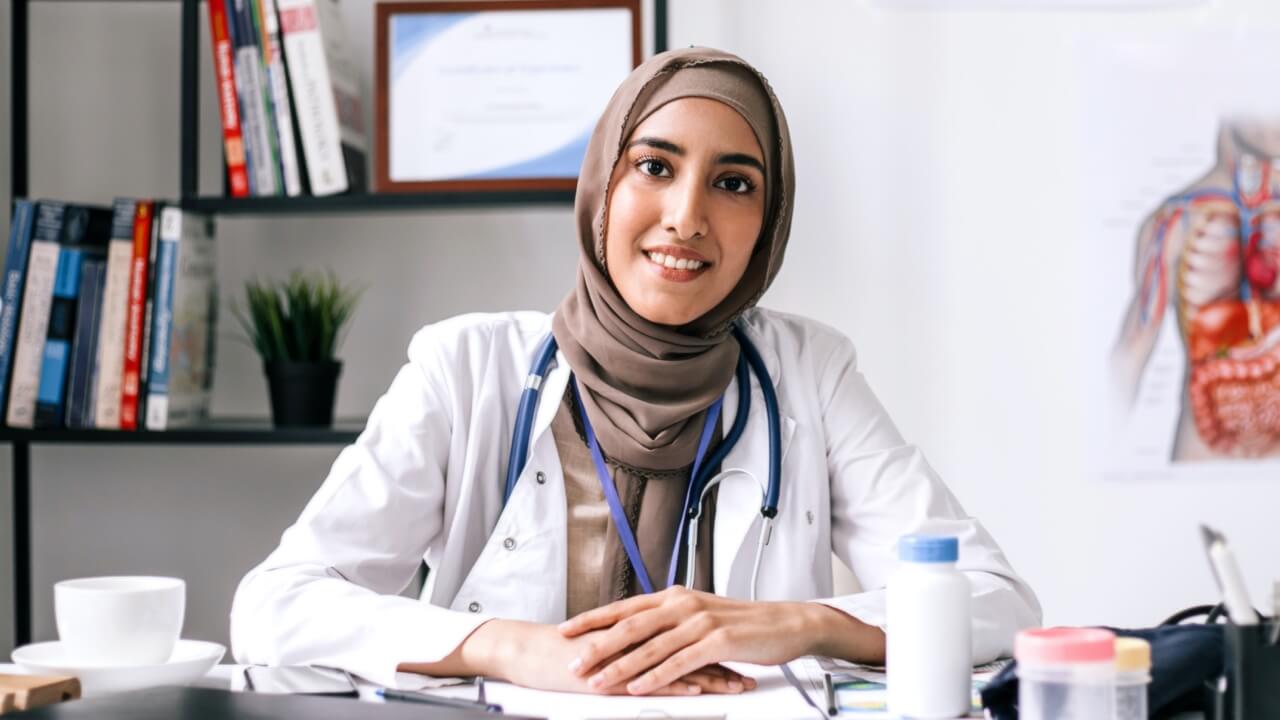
[(302, 393)]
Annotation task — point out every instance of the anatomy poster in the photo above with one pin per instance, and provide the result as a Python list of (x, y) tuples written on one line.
[(1181, 208)]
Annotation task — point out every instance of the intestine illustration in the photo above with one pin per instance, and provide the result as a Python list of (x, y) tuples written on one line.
[(1211, 253)]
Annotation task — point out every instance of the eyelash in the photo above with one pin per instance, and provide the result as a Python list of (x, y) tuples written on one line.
[(645, 160)]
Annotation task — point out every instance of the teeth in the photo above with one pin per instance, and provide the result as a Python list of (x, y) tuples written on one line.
[(676, 264)]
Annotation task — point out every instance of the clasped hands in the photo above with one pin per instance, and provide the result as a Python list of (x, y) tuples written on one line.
[(673, 643)]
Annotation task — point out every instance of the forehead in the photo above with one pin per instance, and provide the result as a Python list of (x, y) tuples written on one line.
[(700, 125)]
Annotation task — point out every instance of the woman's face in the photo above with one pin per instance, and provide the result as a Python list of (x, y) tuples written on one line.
[(686, 206)]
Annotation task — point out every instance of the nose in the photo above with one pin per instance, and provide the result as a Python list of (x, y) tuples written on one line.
[(685, 209)]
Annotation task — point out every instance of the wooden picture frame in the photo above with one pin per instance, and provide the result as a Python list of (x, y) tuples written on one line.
[(423, 146)]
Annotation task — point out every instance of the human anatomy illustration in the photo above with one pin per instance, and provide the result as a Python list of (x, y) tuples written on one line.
[(1210, 254)]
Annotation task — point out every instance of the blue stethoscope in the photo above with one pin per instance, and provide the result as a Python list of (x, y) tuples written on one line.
[(749, 361)]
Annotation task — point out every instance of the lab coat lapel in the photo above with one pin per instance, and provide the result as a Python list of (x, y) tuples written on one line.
[(739, 499)]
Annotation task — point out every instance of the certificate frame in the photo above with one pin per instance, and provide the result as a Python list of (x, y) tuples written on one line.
[(384, 92)]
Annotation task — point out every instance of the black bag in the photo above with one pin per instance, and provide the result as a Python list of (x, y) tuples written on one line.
[(1185, 660)]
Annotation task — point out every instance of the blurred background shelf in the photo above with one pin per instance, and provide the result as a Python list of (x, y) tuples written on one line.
[(374, 202), (218, 431)]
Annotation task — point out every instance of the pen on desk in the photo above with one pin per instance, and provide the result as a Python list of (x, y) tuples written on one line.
[(1235, 596), (480, 698), (829, 687), (438, 700)]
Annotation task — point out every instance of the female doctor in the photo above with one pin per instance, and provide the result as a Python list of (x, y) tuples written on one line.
[(656, 363)]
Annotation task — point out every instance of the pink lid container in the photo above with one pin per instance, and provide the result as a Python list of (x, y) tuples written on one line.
[(1065, 646)]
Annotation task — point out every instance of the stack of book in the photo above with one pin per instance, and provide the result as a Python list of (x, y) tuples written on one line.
[(287, 92), (107, 316)]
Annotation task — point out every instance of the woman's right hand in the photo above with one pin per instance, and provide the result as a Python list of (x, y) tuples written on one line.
[(538, 656)]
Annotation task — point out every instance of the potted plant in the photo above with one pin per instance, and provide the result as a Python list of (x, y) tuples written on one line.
[(296, 325)]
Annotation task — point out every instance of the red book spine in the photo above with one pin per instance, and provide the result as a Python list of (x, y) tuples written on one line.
[(224, 70), (133, 325)]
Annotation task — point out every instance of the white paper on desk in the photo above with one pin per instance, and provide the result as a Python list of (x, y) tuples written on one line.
[(773, 699), (404, 681)]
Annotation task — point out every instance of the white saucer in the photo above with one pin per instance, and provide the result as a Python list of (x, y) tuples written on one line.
[(190, 661)]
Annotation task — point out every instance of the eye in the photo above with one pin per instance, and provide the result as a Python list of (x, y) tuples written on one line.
[(736, 184), (653, 167)]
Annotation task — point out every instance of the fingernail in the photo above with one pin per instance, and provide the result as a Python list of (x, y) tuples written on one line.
[(751, 683), (693, 689), (596, 680), (563, 626), (575, 665), (735, 686)]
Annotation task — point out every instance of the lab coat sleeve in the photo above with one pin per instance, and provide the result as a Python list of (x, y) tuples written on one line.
[(328, 594), (883, 488)]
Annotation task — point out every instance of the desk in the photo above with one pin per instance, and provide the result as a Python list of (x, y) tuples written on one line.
[(773, 699)]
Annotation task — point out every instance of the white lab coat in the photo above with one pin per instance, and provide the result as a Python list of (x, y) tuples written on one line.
[(425, 479)]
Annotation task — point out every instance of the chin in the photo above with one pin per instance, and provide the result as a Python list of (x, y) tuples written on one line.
[(667, 315)]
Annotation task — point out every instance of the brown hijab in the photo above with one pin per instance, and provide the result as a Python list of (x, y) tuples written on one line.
[(646, 387)]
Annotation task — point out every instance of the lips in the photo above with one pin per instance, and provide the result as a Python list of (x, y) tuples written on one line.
[(676, 264)]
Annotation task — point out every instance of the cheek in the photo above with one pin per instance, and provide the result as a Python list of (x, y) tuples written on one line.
[(626, 222), (744, 232)]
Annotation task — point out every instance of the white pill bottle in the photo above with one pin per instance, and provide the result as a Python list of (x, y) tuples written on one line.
[(930, 647)]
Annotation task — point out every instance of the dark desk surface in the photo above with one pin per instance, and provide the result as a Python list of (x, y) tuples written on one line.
[(170, 703)]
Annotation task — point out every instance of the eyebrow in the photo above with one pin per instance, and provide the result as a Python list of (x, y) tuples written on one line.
[(674, 149)]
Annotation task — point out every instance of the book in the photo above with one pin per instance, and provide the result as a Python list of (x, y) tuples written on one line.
[(84, 229), (228, 103), (148, 305), (326, 98), (15, 273), (109, 366), (33, 323), (84, 348), (185, 315), (133, 335), (253, 25), (273, 57), (253, 113)]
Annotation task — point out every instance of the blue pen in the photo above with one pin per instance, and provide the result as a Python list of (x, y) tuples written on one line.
[(401, 696)]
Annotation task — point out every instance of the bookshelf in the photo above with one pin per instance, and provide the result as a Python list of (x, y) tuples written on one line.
[(222, 431)]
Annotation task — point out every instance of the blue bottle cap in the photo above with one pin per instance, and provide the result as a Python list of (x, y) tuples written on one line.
[(928, 548)]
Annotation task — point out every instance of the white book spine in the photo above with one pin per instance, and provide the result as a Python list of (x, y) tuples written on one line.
[(248, 67), (115, 308), (313, 96), (194, 316), (280, 95), (37, 299)]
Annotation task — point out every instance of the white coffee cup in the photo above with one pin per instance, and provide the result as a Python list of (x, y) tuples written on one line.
[(115, 621)]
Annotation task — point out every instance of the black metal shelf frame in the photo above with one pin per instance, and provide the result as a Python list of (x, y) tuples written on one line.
[(225, 432)]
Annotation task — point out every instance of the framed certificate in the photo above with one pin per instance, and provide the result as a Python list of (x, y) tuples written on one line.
[(495, 95)]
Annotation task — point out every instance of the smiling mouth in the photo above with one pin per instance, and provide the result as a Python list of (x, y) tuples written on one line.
[(673, 263), (673, 269)]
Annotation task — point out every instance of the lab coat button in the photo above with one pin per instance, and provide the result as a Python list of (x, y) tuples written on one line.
[(509, 543), (808, 515), (541, 477), (474, 607)]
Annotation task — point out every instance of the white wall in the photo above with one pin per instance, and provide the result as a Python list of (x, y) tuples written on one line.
[(939, 224), (918, 232)]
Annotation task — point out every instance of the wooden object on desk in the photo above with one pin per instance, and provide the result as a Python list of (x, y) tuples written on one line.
[(27, 692)]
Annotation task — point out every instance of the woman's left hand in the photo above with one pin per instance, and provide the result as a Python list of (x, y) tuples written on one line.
[(666, 635)]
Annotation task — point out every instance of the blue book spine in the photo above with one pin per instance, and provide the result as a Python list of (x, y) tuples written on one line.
[(237, 64), (50, 394), (162, 321), (84, 349), (15, 271)]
